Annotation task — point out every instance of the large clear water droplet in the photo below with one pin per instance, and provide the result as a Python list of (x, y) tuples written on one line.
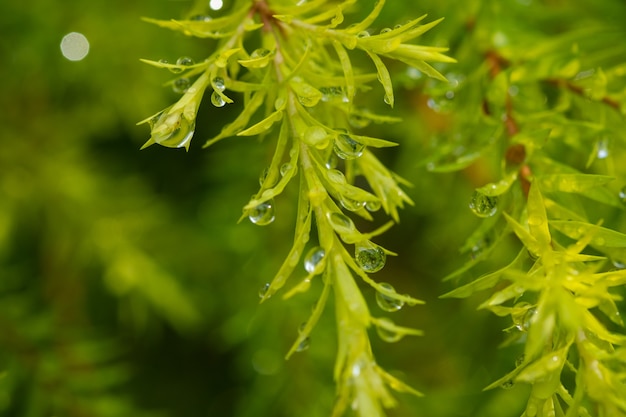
[(341, 223), (386, 302), (264, 289), (346, 147), (218, 84), (217, 100), (483, 205), (184, 61), (181, 85), (373, 205), (336, 176), (173, 130), (385, 333), (332, 161), (350, 204), (369, 257), (263, 214), (313, 261)]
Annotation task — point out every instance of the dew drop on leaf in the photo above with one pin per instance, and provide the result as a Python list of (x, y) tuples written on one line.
[(217, 100), (263, 214), (508, 384), (346, 147), (341, 223), (181, 85), (259, 53), (350, 204), (363, 34), (285, 168), (264, 289), (386, 334), (184, 61), (483, 205), (372, 206), (369, 257), (313, 261), (357, 121), (316, 136), (173, 130), (602, 148), (385, 30), (304, 345), (218, 84), (336, 176), (386, 302)]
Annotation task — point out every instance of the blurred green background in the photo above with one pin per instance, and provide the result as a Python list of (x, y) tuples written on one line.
[(127, 286)]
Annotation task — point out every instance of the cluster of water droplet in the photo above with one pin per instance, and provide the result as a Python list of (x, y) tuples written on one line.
[(262, 214), (483, 205)]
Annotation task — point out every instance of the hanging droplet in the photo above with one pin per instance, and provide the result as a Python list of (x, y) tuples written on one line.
[(341, 223), (350, 204), (370, 257), (332, 161), (181, 85), (259, 53), (173, 130), (385, 30), (483, 205), (263, 176), (385, 333), (316, 136), (348, 148), (386, 302), (373, 206), (387, 100), (200, 18), (263, 214), (363, 34), (184, 61), (622, 195), (304, 344), (218, 84), (336, 176), (333, 93), (602, 148), (528, 319), (285, 168), (313, 261), (617, 263), (217, 100), (264, 289), (508, 384)]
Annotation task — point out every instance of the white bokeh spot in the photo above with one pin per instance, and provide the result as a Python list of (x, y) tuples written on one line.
[(74, 46)]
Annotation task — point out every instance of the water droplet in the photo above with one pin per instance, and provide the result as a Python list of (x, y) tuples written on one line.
[(173, 130), (264, 289), (387, 99), (385, 30), (316, 136), (619, 264), (483, 205), (200, 18), (217, 100), (350, 204), (386, 302), (370, 257), (333, 93), (218, 84), (363, 34), (348, 148), (602, 148), (184, 61), (263, 176), (332, 161), (341, 223), (622, 195), (373, 206), (181, 85), (385, 333), (285, 168), (336, 176), (259, 53), (398, 26), (263, 214), (520, 360), (508, 384), (313, 261), (163, 61), (304, 344), (528, 319)]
